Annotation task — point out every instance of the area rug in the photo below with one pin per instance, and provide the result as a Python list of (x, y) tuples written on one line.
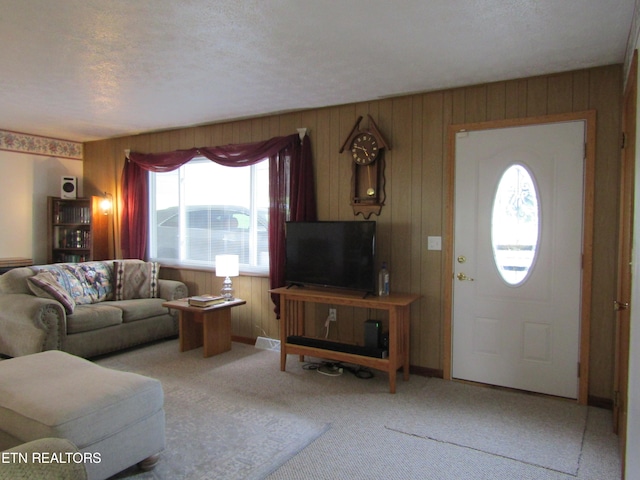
[(213, 428), (537, 430)]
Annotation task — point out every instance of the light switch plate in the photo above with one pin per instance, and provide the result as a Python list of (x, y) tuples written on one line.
[(434, 243)]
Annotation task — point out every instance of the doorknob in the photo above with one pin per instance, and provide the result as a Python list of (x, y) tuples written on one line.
[(617, 306), (461, 276)]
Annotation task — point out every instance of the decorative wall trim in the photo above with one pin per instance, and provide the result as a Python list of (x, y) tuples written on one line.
[(36, 145)]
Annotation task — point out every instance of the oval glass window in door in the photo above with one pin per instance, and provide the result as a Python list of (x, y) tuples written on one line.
[(514, 224)]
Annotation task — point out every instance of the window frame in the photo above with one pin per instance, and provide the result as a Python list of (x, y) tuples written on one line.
[(252, 268)]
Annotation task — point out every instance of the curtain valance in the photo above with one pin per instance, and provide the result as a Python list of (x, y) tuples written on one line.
[(236, 155), (291, 191)]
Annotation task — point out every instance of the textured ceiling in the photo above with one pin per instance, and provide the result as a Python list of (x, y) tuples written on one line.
[(90, 69)]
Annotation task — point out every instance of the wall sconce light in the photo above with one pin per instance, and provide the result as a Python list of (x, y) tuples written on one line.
[(106, 204), (227, 266)]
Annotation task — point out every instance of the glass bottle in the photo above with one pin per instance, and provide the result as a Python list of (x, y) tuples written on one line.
[(383, 281)]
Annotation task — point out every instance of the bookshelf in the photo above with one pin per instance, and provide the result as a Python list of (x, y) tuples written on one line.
[(77, 231)]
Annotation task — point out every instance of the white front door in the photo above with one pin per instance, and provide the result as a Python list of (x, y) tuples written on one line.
[(518, 257)]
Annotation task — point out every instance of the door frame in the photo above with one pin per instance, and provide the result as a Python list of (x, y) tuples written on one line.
[(589, 117), (625, 271)]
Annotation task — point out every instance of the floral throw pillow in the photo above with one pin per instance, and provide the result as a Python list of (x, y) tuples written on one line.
[(45, 285), (135, 279), (88, 282)]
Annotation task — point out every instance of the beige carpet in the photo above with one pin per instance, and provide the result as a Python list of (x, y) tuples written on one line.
[(430, 429), (537, 430), (213, 431)]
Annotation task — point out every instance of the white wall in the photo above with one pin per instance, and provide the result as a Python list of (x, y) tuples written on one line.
[(25, 182), (632, 467)]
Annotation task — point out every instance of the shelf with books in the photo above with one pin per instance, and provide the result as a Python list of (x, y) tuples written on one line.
[(77, 231)]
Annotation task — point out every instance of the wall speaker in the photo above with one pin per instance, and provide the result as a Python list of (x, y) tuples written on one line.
[(69, 187)]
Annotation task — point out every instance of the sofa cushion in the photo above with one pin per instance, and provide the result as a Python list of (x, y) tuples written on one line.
[(45, 285), (140, 308), (93, 317), (135, 279), (88, 282)]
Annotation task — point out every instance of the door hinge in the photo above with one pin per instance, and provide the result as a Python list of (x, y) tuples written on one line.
[(578, 369), (618, 306), (624, 141)]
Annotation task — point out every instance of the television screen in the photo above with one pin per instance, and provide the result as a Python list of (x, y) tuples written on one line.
[(337, 254)]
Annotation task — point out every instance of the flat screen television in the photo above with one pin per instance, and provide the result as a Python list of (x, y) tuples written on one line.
[(338, 254)]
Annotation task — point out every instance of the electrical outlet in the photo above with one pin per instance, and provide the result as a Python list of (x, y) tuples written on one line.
[(332, 315)]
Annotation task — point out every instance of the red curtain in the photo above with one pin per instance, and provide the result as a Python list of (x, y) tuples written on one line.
[(291, 191), (135, 210)]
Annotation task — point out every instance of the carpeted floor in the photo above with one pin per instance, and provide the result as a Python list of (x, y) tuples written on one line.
[(224, 413), (213, 431), (548, 432)]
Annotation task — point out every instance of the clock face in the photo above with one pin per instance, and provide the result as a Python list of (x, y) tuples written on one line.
[(364, 148)]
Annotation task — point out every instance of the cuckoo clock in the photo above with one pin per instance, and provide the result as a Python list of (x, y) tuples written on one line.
[(366, 152)]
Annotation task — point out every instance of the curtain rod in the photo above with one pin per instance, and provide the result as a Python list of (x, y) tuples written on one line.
[(301, 132)]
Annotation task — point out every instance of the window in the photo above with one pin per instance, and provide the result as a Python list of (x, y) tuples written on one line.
[(514, 224), (204, 209)]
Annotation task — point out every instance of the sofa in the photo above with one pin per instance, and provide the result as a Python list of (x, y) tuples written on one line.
[(86, 309), (18, 462)]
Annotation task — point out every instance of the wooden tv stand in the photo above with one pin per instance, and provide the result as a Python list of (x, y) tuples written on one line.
[(397, 304)]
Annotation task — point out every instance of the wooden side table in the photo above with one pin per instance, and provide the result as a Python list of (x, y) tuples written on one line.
[(207, 327)]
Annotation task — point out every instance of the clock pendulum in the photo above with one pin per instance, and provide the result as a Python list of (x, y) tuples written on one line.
[(370, 191)]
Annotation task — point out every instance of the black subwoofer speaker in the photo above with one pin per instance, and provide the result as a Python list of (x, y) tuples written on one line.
[(372, 333)]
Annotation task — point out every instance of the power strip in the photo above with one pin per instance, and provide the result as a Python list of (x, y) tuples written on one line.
[(330, 369)]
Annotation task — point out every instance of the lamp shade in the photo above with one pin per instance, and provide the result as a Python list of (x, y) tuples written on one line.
[(227, 265)]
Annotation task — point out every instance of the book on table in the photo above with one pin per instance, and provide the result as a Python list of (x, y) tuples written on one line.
[(205, 300)]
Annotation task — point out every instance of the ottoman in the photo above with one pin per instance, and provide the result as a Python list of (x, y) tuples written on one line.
[(116, 419)]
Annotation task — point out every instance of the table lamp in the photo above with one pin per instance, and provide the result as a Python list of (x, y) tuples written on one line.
[(227, 266)]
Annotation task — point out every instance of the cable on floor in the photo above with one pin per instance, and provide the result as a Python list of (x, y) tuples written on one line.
[(335, 369)]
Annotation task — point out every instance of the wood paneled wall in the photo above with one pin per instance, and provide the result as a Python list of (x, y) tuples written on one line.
[(416, 128)]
